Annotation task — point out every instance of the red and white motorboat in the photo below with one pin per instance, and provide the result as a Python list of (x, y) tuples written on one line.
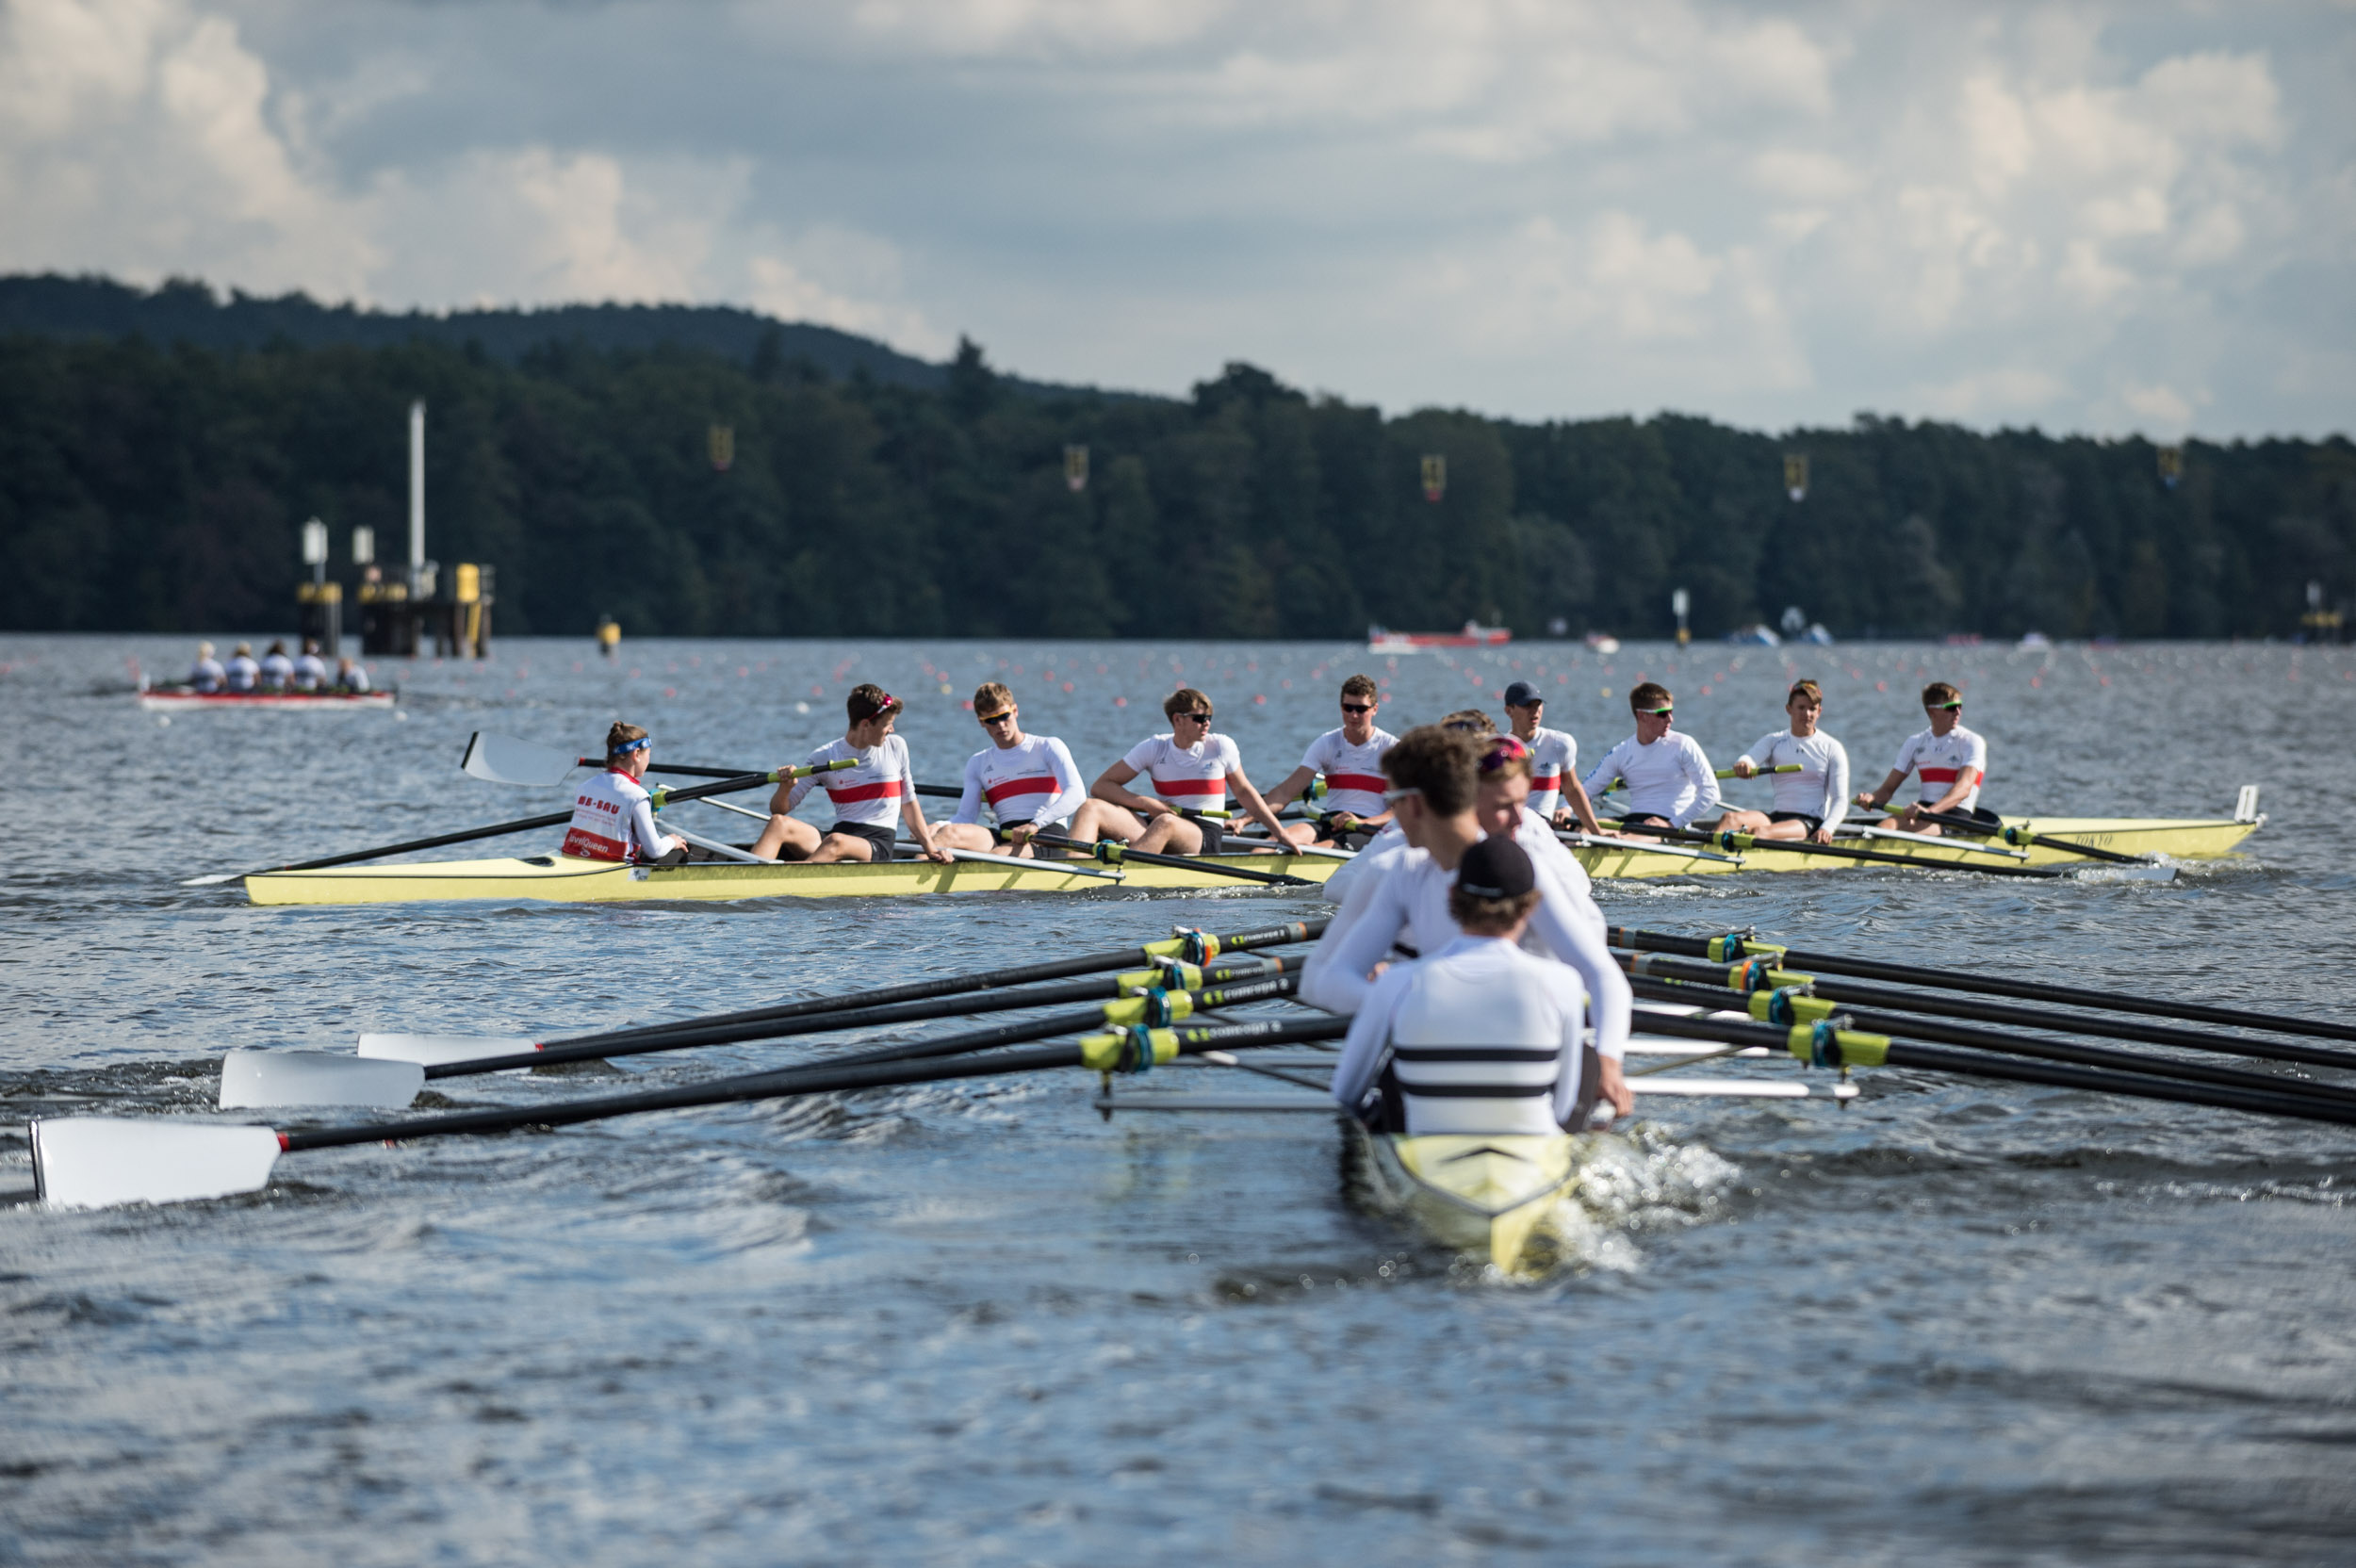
[(1474, 635)]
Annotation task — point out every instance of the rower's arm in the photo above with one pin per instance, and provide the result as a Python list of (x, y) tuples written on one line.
[(1708, 802), (1296, 782), (1111, 786), (1836, 788), (1575, 794), (912, 812), (1369, 1041), (1879, 799), (1570, 935), (1071, 794), (1360, 936), (1966, 779), (1249, 793)]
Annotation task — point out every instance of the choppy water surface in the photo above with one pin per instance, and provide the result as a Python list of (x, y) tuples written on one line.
[(1953, 1323)]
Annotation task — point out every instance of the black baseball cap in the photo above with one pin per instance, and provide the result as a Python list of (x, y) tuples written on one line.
[(1522, 693), (1496, 868)]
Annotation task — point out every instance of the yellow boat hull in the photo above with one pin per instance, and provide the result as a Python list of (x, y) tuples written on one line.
[(2182, 838), (1484, 1194), (560, 879)]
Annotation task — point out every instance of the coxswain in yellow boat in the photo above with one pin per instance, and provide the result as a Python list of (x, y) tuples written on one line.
[(1191, 767), (1351, 761), (1950, 761), (1809, 803), (310, 670), (612, 813), (867, 796), (1555, 792), (242, 671), (1669, 783), (1402, 902), (1029, 782), (1480, 1037), (206, 674)]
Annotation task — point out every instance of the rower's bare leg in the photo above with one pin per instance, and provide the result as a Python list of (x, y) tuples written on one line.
[(842, 846), (1913, 820), (968, 836), (1757, 826), (1102, 819), (786, 839), (1169, 833), (1301, 833)]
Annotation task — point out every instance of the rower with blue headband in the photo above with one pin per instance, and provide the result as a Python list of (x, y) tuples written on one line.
[(612, 813)]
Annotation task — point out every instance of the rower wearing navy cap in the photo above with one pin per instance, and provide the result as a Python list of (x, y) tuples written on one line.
[(1555, 792), (1480, 1037), (612, 814), (879, 786)]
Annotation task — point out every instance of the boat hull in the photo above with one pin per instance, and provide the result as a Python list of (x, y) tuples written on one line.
[(219, 702), (560, 879), (2183, 838), (1484, 1194)]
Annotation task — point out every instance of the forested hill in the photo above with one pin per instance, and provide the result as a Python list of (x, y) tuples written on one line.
[(153, 485)]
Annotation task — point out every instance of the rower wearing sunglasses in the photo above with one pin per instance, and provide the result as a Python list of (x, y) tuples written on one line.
[(1952, 761), (1350, 760), (1191, 770), (1669, 779), (1029, 782)]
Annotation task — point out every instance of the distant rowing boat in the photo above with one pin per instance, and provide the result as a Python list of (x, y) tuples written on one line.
[(1474, 635), (177, 698)]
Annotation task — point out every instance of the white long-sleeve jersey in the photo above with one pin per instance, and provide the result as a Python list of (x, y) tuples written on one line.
[(1407, 900), (1032, 780), (1821, 787), (1483, 1039), (1669, 778)]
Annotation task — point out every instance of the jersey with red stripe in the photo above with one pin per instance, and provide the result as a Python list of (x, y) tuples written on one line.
[(1193, 778), (1553, 754), (871, 792), (1939, 758), (1353, 774), (613, 820), (1032, 780)]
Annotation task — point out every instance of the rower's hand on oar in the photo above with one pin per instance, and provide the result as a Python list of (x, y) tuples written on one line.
[(1615, 1090), (1824, 834), (938, 855), (1745, 768)]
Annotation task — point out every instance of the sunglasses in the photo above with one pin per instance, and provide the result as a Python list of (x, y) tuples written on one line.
[(1357, 708), (1392, 798), (1198, 718), (1943, 708), (996, 718), (1658, 712)]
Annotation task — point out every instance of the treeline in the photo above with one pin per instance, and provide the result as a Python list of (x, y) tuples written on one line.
[(162, 489)]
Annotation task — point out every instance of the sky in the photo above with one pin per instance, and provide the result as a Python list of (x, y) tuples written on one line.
[(2101, 218)]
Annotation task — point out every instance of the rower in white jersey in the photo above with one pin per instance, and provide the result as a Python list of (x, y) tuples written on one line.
[(310, 670), (1476, 727), (1480, 1037), (1029, 782), (277, 670), (1809, 803), (1670, 783), (1555, 792), (206, 674), (1351, 761), (612, 813), (1191, 769), (1952, 761), (879, 787), (242, 671), (1433, 775)]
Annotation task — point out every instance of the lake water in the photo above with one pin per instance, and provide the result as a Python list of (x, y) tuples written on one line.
[(1955, 1322)]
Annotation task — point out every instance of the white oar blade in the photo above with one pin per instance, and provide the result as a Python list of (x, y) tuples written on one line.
[(434, 1050), (96, 1162), (255, 1078), (503, 759), (213, 880)]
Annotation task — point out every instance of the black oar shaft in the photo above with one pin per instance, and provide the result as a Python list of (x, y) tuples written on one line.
[(1995, 985), (958, 984), (2093, 852), (817, 1079), (1183, 862), (1951, 1004), (2060, 1075), (1916, 1027), (1837, 852)]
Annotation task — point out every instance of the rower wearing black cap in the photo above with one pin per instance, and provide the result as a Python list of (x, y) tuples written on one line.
[(1555, 792), (1480, 1037)]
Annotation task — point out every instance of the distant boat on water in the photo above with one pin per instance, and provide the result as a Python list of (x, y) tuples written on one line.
[(1474, 635)]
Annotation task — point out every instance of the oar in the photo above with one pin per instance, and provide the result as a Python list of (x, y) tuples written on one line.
[(98, 1161), (501, 829), (1112, 853), (1825, 1045), (1017, 862), (1938, 841), (1636, 845), (1740, 945), (1619, 784), (2022, 837), (251, 1079), (1758, 974), (504, 760), (1784, 1008), (1190, 951)]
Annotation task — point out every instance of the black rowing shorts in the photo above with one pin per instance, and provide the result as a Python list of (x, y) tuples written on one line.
[(1815, 825), (878, 839)]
